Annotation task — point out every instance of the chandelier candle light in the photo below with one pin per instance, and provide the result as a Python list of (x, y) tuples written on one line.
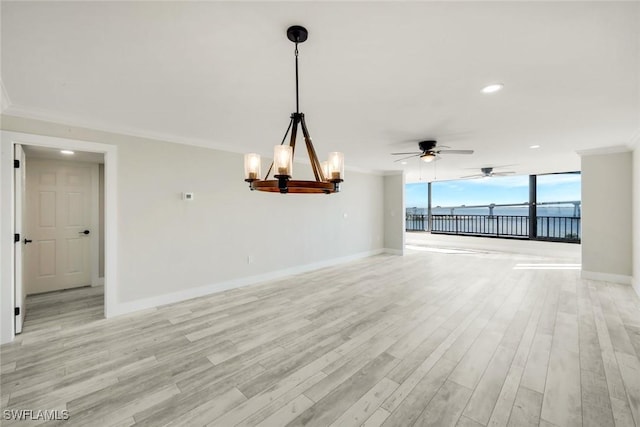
[(328, 175)]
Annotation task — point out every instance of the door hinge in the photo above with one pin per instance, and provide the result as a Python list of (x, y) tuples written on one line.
[(16, 311), (16, 164), (16, 238)]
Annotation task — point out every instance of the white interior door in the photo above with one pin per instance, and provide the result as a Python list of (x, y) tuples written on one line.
[(19, 206), (59, 197)]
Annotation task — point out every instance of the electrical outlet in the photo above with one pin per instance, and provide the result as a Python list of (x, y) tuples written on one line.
[(249, 259)]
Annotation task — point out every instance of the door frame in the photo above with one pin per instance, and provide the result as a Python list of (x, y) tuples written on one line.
[(7, 198), (95, 226)]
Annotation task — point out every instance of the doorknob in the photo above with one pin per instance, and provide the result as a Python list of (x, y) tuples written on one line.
[(84, 232), (27, 241)]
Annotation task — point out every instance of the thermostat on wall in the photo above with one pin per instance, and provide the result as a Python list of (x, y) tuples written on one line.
[(187, 196)]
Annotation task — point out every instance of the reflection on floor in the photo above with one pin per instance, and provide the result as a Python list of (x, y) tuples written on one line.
[(63, 309), (442, 250)]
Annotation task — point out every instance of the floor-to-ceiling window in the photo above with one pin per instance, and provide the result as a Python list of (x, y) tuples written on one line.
[(416, 198), (543, 207), (558, 206)]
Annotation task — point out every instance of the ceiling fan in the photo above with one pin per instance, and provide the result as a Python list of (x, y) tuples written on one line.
[(429, 152), (487, 173)]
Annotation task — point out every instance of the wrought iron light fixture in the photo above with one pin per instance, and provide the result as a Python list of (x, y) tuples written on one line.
[(328, 175)]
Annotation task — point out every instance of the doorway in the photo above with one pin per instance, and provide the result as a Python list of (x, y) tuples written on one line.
[(63, 238)]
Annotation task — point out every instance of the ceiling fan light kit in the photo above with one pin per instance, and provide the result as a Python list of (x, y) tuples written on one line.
[(328, 174), (428, 157)]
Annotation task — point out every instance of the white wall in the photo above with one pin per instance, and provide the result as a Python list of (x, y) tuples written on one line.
[(168, 243), (170, 249), (394, 213), (607, 216)]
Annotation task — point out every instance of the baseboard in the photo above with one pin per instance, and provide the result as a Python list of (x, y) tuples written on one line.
[(606, 277), (99, 282), (187, 294)]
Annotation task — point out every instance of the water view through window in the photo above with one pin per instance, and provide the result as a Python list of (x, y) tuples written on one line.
[(499, 207)]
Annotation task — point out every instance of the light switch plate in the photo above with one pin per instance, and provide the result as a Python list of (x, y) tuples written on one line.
[(187, 196)]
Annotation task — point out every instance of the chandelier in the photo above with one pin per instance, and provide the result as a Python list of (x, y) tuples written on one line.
[(328, 175)]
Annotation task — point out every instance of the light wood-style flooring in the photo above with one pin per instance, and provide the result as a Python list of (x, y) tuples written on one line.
[(428, 339), (54, 311)]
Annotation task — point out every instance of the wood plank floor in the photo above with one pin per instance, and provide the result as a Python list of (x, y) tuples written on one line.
[(433, 339), (63, 309)]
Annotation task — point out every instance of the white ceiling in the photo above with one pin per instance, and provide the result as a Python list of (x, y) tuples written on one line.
[(35, 152), (376, 77)]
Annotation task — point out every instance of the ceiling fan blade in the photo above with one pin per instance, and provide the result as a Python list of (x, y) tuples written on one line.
[(405, 158), (413, 152), (472, 176), (502, 173), (456, 151)]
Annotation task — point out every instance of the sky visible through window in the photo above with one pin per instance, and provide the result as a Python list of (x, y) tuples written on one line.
[(498, 190)]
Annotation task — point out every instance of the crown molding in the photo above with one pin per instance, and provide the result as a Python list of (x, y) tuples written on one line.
[(604, 150), (70, 120), (5, 100), (101, 126)]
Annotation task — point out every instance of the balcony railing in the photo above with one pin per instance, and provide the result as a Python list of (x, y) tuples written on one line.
[(483, 225), (415, 222), (547, 227)]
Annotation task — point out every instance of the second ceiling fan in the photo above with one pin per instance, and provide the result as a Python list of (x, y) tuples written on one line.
[(429, 152), (488, 172)]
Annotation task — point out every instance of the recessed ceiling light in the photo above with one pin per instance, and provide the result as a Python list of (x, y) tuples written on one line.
[(403, 163), (534, 146), (67, 152), (492, 88)]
